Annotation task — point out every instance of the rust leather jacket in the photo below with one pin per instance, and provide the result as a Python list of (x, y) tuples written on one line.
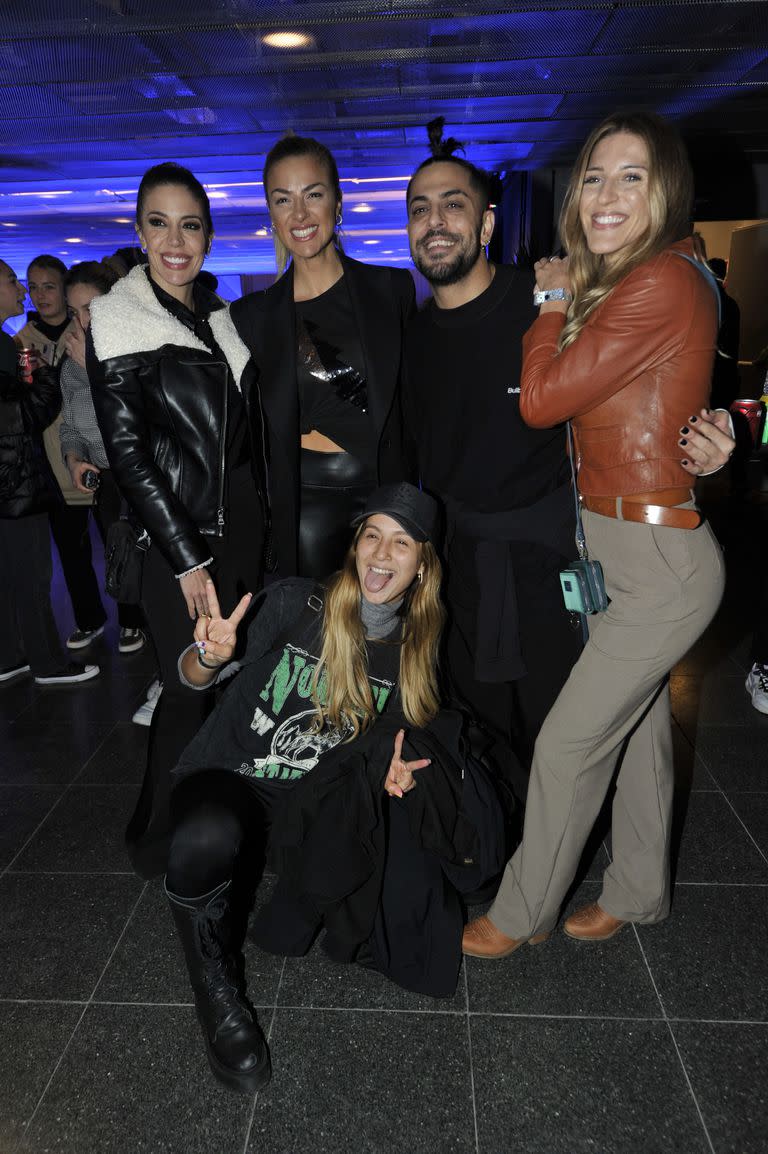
[(636, 372)]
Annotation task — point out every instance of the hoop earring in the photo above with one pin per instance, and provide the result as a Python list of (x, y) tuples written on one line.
[(420, 575), (339, 220)]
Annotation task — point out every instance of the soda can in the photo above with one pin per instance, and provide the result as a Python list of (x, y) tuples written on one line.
[(752, 412), (25, 363)]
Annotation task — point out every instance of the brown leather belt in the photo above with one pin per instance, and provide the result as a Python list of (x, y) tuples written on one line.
[(655, 508)]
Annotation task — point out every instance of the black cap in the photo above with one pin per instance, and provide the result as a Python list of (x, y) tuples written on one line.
[(412, 508)]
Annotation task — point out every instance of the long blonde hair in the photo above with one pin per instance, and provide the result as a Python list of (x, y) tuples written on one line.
[(670, 199), (340, 687)]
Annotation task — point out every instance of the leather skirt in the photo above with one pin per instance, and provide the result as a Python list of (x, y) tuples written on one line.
[(334, 488)]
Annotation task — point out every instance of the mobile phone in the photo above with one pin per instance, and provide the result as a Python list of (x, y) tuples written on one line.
[(91, 479)]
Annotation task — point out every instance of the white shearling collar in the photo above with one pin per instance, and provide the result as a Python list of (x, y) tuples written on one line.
[(129, 319)]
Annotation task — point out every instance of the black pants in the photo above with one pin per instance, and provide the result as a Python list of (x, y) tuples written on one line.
[(180, 711), (27, 628), (220, 825), (106, 510), (512, 712), (334, 487), (69, 526)]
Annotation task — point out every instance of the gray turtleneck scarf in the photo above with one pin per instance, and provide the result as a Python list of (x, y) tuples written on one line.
[(380, 620)]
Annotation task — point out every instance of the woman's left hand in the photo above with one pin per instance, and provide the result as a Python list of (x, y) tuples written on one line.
[(215, 636), (706, 441), (399, 779), (552, 273)]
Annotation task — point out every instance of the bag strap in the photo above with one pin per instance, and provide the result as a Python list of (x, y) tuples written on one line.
[(711, 280), (310, 614), (581, 540)]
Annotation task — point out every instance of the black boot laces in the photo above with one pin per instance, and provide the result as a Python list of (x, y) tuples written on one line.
[(219, 974)]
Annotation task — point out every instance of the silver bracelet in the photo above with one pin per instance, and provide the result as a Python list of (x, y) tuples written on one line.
[(558, 294), (194, 569)]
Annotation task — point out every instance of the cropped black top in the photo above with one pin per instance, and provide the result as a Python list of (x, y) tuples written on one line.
[(330, 371)]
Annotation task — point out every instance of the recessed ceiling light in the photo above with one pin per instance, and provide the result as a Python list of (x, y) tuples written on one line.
[(121, 220), (8, 224), (72, 240), (287, 39), (370, 242), (363, 208)]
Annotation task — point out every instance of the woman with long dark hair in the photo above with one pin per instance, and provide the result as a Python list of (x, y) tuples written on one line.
[(179, 413), (299, 754), (327, 341), (623, 348)]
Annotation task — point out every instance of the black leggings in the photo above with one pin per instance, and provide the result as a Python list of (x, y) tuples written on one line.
[(220, 824), (334, 488)]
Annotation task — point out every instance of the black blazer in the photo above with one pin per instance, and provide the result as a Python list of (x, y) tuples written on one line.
[(383, 300)]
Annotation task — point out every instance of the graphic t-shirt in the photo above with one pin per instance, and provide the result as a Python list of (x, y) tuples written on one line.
[(263, 728)]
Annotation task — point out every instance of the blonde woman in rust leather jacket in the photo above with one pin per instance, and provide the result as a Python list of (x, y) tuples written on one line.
[(623, 347)]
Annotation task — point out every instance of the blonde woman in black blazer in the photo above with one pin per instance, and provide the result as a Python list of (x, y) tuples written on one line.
[(327, 341)]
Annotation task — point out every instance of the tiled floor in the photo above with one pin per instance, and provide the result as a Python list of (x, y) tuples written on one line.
[(654, 1041)]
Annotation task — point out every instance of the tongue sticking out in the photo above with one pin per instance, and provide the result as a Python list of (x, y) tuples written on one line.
[(375, 582)]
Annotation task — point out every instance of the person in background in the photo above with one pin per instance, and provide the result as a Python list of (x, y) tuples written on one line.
[(757, 678), (327, 341), (725, 371), (81, 445), (28, 404), (624, 342), (178, 407), (47, 325), (45, 331)]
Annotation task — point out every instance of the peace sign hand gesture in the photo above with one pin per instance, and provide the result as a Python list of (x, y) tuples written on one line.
[(399, 779), (215, 636)]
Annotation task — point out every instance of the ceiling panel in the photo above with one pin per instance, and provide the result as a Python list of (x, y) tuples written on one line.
[(93, 91)]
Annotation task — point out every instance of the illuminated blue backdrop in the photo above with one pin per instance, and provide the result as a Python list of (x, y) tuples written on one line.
[(94, 91)]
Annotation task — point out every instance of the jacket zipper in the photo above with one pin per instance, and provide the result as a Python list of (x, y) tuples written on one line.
[(220, 518)]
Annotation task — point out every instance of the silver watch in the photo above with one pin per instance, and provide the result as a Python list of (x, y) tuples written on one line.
[(561, 294)]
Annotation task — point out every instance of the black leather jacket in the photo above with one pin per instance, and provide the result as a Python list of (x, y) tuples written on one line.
[(163, 415), (27, 485)]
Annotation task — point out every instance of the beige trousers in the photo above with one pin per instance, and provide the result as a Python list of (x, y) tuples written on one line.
[(665, 585)]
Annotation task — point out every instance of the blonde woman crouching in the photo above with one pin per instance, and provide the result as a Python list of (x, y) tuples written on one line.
[(298, 760)]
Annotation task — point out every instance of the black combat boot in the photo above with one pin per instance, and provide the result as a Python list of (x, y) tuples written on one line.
[(237, 1051)]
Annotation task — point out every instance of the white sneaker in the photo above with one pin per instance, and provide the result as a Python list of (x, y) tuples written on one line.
[(143, 715), (82, 637), (131, 640), (69, 674), (757, 687)]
